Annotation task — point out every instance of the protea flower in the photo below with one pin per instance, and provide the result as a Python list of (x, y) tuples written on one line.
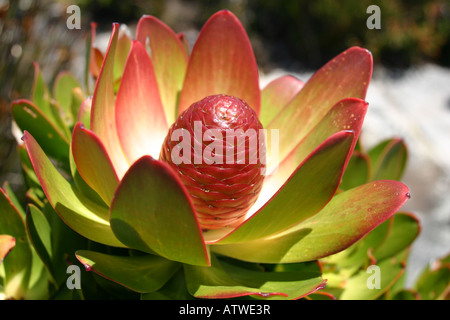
[(223, 180), (120, 193)]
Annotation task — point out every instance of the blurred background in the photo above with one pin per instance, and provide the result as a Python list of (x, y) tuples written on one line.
[(409, 96)]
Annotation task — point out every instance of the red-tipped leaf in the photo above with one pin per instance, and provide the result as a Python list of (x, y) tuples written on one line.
[(93, 163), (169, 59), (276, 95), (141, 123), (347, 75), (222, 62), (343, 221), (103, 104), (152, 212)]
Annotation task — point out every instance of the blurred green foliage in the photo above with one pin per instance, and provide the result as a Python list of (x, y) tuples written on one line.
[(30, 30), (315, 31)]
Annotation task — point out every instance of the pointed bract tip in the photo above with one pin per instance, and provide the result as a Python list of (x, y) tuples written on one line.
[(148, 17), (225, 13), (81, 126), (398, 140), (83, 262), (87, 267), (322, 285), (362, 49), (147, 157), (24, 136), (369, 52)]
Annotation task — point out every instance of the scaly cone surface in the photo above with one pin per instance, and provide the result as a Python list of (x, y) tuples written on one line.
[(217, 148)]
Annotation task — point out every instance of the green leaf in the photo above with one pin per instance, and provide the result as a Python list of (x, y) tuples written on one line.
[(387, 240), (406, 294), (88, 60), (35, 196), (30, 177), (93, 163), (375, 152), (39, 230), (53, 240), (28, 117), (13, 198), (225, 280), (80, 183), (84, 113), (40, 94), (59, 121), (82, 214), (320, 295), (63, 88), (79, 102), (17, 264), (307, 191), (146, 273), (390, 162), (38, 286), (404, 229), (360, 253), (371, 283), (174, 289), (152, 212), (42, 100), (343, 221), (310, 266), (434, 281), (357, 172)]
